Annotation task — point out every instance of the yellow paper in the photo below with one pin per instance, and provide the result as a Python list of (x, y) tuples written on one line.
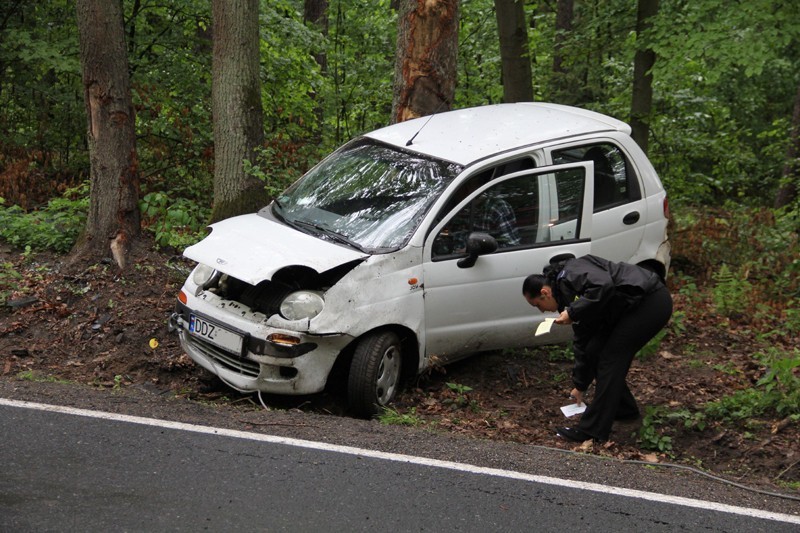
[(545, 326)]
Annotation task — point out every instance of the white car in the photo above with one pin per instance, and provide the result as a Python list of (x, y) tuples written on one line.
[(407, 248)]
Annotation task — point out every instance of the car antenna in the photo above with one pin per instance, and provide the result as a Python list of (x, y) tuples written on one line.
[(426, 123)]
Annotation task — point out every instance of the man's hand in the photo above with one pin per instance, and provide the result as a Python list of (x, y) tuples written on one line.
[(564, 318), (578, 395)]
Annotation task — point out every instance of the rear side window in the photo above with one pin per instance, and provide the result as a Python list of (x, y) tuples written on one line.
[(614, 180)]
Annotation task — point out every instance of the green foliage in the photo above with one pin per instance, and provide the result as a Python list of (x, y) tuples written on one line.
[(657, 421), (651, 436), (730, 292), (558, 352), (280, 163), (30, 375), (458, 388), (778, 391), (749, 251), (716, 133), (9, 279), (478, 56), (392, 417), (177, 223), (54, 227)]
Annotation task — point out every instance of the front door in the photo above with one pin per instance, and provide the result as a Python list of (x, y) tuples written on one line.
[(534, 216)]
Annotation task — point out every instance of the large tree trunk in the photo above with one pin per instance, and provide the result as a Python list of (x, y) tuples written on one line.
[(427, 49), (645, 58), (514, 54), (236, 104), (791, 168), (113, 221), (564, 90)]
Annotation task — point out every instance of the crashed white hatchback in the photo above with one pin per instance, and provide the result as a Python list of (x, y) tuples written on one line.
[(407, 248)]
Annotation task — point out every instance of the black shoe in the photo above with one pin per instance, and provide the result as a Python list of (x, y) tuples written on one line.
[(573, 434)]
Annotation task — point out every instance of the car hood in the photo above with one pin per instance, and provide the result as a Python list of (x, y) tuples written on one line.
[(252, 248)]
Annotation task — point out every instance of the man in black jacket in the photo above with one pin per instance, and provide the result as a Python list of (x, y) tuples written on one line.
[(614, 309)]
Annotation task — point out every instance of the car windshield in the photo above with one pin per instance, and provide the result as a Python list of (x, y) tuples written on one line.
[(368, 195)]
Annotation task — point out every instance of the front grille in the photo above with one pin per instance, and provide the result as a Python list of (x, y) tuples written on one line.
[(225, 359)]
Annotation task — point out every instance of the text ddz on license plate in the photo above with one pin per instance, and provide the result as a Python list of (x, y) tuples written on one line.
[(215, 334)]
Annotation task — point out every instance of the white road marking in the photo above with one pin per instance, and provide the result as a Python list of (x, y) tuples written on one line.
[(360, 452)]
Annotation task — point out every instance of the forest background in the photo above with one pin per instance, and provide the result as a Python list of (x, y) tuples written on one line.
[(723, 132)]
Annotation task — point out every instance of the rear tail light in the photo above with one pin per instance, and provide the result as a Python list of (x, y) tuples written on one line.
[(666, 207)]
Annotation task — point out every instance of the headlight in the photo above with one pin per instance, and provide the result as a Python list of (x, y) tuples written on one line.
[(202, 274), (302, 304)]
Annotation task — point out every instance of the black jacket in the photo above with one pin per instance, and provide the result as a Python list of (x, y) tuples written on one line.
[(596, 293)]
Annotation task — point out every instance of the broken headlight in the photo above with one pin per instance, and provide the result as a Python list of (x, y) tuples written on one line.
[(301, 305)]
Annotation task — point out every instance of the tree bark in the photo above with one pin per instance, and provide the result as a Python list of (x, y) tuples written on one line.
[(315, 13), (427, 49), (514, 52), (113, 220), (645, 58), (787, 193), (564, 91), (236, 106)]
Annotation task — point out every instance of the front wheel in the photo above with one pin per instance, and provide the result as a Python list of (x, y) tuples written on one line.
[(374, 373)]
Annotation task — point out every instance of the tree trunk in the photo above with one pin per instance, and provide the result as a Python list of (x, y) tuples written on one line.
[(645, 58), (236, 105), (315, 13), (113, 221), (427, 49), (564, 91), (791, 168), (516, 62)]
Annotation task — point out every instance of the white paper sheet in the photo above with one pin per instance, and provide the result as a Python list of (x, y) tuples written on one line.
[(573, 409)]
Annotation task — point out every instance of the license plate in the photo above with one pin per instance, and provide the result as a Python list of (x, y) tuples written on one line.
[(215, 334)]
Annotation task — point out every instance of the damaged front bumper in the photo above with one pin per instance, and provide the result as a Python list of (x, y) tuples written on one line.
[(270, 360)]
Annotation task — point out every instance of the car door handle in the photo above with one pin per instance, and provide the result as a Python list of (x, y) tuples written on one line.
[(631, 218)]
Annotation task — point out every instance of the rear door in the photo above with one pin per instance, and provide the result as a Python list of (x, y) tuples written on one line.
[(620, 212), (534, 216)]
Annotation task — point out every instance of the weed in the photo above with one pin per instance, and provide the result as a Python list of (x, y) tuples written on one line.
[(729, 292), (8, 281), (777, 391), (458, 388), (178, 223), (727, 368), (653, 437), (392, 417), (461, 393), (650, 436), (558, 352), (54, 227), (30, 375)]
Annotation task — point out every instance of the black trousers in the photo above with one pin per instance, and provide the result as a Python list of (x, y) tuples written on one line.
[(612, 352)]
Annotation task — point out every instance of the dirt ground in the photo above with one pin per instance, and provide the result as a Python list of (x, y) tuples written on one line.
[(104, 328)]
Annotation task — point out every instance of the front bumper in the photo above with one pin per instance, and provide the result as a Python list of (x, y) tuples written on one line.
[(263, 366)]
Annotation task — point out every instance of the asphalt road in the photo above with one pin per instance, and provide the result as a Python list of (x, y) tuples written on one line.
[(65, 471)]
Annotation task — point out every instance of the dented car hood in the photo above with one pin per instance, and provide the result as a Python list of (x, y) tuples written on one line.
[(252, 248)]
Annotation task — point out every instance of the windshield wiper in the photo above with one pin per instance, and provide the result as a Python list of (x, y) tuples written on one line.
[(325, 232)]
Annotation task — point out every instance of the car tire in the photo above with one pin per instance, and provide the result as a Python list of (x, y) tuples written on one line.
[(374, 373)]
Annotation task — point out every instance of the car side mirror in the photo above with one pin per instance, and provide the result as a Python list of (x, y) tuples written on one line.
[(478, 244)]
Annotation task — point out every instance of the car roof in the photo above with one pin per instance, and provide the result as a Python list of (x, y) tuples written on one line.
[(464, 136)]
